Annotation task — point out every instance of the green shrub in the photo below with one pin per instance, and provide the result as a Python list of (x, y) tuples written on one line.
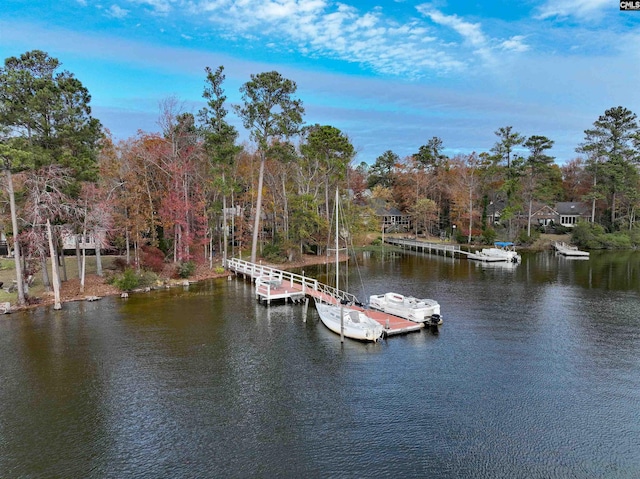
[(617, 240), (274, 253), (489, 235), (186, 269), (127, 280), (584, 235), (147, 278), (634, 234), (219, 270), (525, 239)]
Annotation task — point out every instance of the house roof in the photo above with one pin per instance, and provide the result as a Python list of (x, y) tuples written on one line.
[(392, 211), (572, 208), (542, 209)]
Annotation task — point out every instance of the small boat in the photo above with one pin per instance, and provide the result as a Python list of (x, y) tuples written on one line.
[(416, 310), (503, 251), (354, 324)]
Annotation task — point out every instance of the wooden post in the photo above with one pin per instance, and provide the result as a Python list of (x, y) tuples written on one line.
[(306, 308)]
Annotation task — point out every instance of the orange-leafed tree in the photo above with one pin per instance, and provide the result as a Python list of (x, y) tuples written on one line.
[(465, 189)]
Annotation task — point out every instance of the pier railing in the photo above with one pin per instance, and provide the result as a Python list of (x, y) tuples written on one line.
[(427, 247), (306, 285)]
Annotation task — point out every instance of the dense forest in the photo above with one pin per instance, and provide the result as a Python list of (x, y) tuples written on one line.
[(191, 191)]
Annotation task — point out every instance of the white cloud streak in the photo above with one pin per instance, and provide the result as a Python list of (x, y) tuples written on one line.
[(327, 29), (473, 36), (574, 8)]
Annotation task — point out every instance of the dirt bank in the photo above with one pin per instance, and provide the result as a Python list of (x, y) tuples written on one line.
[(96, 286)]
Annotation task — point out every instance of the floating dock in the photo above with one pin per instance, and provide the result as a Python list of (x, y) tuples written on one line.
[(274, 284), (568, 250)]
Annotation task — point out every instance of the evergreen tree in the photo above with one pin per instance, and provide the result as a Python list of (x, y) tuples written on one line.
[(612, 145), (45, 119), (270, 113)]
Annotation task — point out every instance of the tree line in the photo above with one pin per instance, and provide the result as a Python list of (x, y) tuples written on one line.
[(193, 191)]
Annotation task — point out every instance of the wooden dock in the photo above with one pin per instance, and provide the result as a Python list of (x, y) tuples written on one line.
[(452, 250), (571, 251), (274, 284)]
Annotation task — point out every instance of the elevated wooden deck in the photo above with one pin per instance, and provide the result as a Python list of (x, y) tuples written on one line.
[(274, 284)]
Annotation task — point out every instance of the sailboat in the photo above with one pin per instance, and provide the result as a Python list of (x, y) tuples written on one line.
[(342, 319)]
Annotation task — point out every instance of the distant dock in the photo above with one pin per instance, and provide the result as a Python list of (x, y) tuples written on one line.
[(568, 250), (274, 284), (452, 250)]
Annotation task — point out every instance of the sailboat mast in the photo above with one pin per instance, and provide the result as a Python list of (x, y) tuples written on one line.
[(337, 250)]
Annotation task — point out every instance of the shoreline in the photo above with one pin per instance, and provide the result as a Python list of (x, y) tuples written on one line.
[(97, 288)]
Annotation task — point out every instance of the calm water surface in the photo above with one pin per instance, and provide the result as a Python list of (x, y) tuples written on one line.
[(535, 373)]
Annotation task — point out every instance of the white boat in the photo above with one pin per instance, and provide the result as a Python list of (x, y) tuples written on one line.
[(503, 251), (354, 324), (408, 307), (348, 322)]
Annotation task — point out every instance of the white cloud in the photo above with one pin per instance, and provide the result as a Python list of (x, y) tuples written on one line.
[(574, 8), (334, 30), (515, 44), (471, 32), (117, 12), (158, 6)]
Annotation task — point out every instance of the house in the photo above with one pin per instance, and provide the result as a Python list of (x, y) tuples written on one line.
[(544, 215), (392, 219), (565, 213), (85, 242), (571, 212), (493, 211)]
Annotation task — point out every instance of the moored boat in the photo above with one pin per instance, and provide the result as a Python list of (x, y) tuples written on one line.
[(348, 322), (503, 251), (407, 307), (354, 324)]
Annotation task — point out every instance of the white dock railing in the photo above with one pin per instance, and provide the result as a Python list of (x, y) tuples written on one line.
[(307, 285), (427, 247)]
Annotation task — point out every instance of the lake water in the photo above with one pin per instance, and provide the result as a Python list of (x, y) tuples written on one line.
[(535, 373)]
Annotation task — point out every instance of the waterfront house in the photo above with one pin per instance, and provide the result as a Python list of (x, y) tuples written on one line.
[(565, 213)]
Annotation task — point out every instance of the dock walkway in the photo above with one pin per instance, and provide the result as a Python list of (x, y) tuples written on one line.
[(274, 284), (452, 250)]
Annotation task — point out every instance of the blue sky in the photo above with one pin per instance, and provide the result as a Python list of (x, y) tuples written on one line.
[(389, 74)]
